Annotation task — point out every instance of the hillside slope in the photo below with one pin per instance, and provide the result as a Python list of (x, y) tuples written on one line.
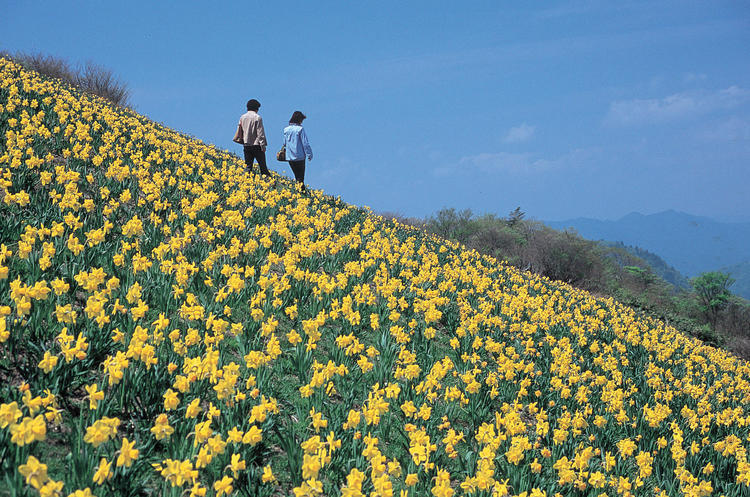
[(171, 324)]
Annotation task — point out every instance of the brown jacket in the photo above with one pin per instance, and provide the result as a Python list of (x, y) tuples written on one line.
[(252, 129)]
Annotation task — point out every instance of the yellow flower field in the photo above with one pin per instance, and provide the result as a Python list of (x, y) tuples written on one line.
[(173, 325)]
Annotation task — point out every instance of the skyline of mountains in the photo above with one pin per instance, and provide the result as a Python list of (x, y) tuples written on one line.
[(691, 244)]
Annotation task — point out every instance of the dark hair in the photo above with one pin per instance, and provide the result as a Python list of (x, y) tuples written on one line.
[(253, 104), (297, 117)]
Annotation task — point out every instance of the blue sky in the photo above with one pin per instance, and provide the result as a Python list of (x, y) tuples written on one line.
[(566, 109)]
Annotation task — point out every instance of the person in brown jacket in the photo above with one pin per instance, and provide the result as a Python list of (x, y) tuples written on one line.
[(254, 137)]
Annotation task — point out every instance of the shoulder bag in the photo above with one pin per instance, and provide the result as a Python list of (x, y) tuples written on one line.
[(238, 138)]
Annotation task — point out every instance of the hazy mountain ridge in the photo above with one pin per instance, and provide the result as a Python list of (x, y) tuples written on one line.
[(741, 274), (692, 244)]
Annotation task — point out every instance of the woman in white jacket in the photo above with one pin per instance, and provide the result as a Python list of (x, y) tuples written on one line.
[(297, 146)]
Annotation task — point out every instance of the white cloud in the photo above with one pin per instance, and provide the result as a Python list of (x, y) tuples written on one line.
[(570, 8), (339, 169), (733, 129), (677, 106), (520, 133), (517, 163), (504, 161), (692, 77)]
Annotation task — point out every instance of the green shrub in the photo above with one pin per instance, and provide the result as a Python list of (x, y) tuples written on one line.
[(452, 224), (564, 256)]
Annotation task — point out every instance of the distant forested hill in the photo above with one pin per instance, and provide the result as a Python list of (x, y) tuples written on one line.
[(659, 265), (691, 244)]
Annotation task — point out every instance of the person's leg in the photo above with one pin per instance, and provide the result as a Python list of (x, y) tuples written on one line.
[(249, 157), (298, 168), (260, 156)]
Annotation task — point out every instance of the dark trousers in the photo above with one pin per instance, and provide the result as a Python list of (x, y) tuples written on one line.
[(298, 168), (255, 152)]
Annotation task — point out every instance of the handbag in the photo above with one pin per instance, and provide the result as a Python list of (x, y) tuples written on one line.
[(238, 138), (281, 154)]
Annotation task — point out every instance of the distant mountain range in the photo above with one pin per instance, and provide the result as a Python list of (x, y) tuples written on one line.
[(691, 244), (741, 274)]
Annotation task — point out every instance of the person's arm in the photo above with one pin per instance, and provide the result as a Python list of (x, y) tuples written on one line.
[(261, 134), (306, 145)]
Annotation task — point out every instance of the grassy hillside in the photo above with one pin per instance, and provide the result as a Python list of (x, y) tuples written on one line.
[(172, 325)]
